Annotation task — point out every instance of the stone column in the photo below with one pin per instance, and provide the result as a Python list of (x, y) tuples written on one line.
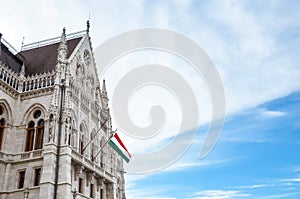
[(48, 173), (6, 178), (64, 179), (109, 191)]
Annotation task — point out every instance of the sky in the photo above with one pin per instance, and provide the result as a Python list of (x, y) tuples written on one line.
[(254, 46)]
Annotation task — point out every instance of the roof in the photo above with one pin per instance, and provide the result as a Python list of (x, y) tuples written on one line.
[(7, 57), (43, 59)]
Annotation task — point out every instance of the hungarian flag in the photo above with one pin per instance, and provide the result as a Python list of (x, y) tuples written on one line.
[(116, 143)]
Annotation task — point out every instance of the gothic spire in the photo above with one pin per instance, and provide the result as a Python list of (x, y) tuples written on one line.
[(63, 36), (88, 26), (103, 95), (104, 92), (22, 72), (63, 48)]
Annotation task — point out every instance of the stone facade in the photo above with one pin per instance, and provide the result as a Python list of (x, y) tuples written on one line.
[(54, 123)]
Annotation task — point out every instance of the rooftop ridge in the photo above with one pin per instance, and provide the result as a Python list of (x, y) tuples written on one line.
[(9, 46), (52, 40)]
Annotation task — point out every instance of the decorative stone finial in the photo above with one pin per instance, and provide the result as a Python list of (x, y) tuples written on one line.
[(63, 35), (87, 26), (22, 72), (103, 95), (63, 48), (104, 87)]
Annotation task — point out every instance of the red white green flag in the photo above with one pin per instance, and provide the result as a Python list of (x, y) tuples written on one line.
[(116, 143)]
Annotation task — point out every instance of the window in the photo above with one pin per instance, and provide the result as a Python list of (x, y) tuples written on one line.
[(92, 153), (101, 193), (35, 132), (102, 142), (30, 136), (81, 139), (37, 177), (39, 135), (81, 146), (91, 190), (69, 139), (37, 114), (21, 179), (80, 185), (2, 125)]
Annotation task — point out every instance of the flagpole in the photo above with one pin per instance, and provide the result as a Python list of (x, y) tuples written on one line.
[(104, 145), (84, 148)]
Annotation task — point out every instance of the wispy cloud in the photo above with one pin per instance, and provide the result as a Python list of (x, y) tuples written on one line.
[(218, 194), (255, 186), (270, 113), (296, 168), (190, 165), (285, 195), (291, 180), (147, 193)]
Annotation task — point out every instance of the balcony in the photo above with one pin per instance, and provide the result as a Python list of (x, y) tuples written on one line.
[(24, 156), (91, 166)]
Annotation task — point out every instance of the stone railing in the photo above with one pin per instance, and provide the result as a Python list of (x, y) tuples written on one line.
[(30, 83), (21, 156), (39, 81), (92, 166), (8, 76)]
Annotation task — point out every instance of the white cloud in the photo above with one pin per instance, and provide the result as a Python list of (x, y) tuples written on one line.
[(271, 114), (291, 180), (274, 196), (255, 186), (218, 194), (188, 164), (147, 193)]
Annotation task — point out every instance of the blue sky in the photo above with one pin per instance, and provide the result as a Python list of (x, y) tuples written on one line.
[(256, 157), (255, 48)]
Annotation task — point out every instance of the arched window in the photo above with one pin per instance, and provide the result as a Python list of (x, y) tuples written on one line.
[(92, 145), (51, 127), (3, 119), (35, 132), (72, 134), (39, 135), (2, 127), (81, 139), (81, 145), (29, 136), (93, 152), (102, 163)]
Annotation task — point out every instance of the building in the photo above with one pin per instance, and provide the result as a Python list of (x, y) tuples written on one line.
[(55, 123)]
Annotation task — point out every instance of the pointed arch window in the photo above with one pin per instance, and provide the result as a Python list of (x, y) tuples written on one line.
[(2, 127), (93, 145), (35, 132), (3, 120), (81, 138), (81, 145), (102, 164), (39, 135), (29, 136)]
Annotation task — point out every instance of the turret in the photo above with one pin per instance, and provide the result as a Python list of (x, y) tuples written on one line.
[(104, 97), (62, 50)]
